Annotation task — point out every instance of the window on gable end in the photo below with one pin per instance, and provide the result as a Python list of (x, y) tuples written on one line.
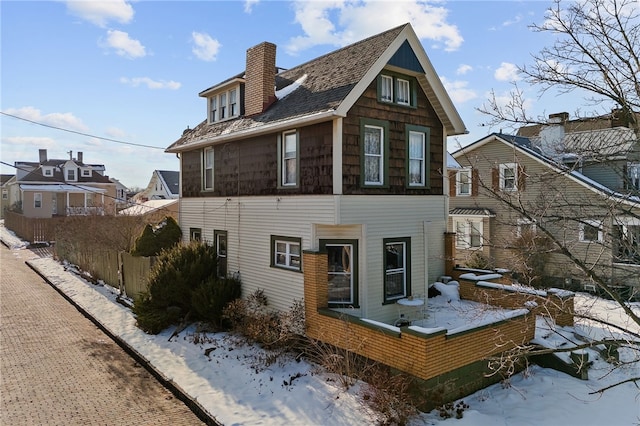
[(403, 92), (396, 89), (386, 88), (374, 154), (591, 231), (509, 177), (464, 182)]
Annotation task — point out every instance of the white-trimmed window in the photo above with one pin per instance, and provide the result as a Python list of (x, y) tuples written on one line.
[(195, 234), (591, 231), (386, 88), (86, 172), (5, 194), (417, 150), (47, 171), (509, 177), (403, 92), (207, 179), (396, 268), (289, 160), (463, 182), (224, 105), (286, 252), (71, 174), (37, 200), (633, 176), (525, 226), (373, 155), (468, 233)]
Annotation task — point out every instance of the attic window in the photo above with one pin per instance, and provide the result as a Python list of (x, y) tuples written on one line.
[(224, 105), (397, 89), (48, 172), (86, 172)]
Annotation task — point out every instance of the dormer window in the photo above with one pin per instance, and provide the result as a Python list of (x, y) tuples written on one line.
[(86, 173), (47, 171), (224, 105), (71, 174), (396, 89)]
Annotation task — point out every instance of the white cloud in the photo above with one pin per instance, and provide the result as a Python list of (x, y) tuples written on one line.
[(248, 5), (458, 90), (205, 47), (150, 83), (101, 12), (35, 141), (463, 69), (507, 72), (124, 45), (64, 120), (115, 133), (341, 22), (513, 21)]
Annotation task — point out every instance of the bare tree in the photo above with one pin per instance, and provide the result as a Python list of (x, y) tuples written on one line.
[(597, 51)]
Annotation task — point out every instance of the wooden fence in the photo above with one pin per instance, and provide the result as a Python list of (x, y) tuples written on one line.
[(33, 230)]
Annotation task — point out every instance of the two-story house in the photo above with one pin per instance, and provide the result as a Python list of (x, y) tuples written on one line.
[(163, 185), (8, 196), (506, 187), (344, 154), (63, 187)]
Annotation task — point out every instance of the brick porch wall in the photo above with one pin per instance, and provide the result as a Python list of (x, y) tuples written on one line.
[(425, 356)]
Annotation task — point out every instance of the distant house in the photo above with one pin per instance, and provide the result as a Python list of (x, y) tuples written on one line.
[(8, 197), (153, 211), (598, 224), (121, 194), (163, 185), (62, 187), (341, 154)]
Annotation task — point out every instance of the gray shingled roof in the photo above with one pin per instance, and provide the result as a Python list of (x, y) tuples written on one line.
[(329, 79), (603, 143), (171, 180), (37, 176), (468, 211)]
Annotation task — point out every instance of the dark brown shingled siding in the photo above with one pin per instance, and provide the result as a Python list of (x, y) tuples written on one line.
[(369, 107), (258, 165)]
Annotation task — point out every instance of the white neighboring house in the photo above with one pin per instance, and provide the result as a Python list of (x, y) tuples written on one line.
[(121, 194), (163, 185)]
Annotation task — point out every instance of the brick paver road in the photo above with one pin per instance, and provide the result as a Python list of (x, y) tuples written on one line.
[(58, 368)]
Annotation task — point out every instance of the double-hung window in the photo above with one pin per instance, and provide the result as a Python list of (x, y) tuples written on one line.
[(509, 177), (289, 159), (403, 92), (213, 109), (224, 105), (526, 228), (195, 234), (233, 103), (591, 231), (71, 174), (286, 252), (208, 158), (220, 241), (463, 182), (418, 155), (396, 268), (386, 88), (37, 200), (468, 233), (626, 239), (633, 176), (373, 155)]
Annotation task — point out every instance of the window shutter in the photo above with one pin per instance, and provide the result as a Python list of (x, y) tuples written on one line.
[(522, 176), (475, 181), (452, 183), (495, 178)]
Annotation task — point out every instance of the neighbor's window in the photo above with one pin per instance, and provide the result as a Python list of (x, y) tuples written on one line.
[(5, 194), (373, 155), (48, 172), (463, 182), (208, 168), (508, 177), (195, 234), (468, 233), (626, 238), (526, 227), (37, 200), (633, 176), (71, 174), (289, 159), (396, 268), (286, 252), (86, 172), (591, 231), (342, 277)]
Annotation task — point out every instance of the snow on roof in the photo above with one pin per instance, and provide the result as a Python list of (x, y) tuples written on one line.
[(146, 207)]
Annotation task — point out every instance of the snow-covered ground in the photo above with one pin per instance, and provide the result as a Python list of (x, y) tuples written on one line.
[(232, 381)]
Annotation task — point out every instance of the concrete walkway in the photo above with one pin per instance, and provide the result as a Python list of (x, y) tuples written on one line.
[(58, 368)]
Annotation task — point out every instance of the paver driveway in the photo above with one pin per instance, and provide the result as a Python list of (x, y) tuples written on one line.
[(58, 368)]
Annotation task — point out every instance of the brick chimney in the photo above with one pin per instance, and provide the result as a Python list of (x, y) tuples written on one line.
[(79, 157), (43, 155), (260, 78)]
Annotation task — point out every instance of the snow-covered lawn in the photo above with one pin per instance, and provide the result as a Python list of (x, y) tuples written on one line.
[(231, 379)]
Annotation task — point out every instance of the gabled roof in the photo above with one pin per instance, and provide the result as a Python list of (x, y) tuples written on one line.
[(171, 181), (328, 88), (147, 207), (601, 143), (524, 146), (5, 178)]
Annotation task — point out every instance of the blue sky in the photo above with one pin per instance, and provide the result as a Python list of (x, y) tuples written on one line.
[(131, 71)]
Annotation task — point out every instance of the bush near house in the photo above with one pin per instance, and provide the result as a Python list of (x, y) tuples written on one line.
[(154, 239), (184, 284)]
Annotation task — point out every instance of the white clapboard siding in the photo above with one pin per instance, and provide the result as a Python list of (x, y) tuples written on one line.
[(251, 221)]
